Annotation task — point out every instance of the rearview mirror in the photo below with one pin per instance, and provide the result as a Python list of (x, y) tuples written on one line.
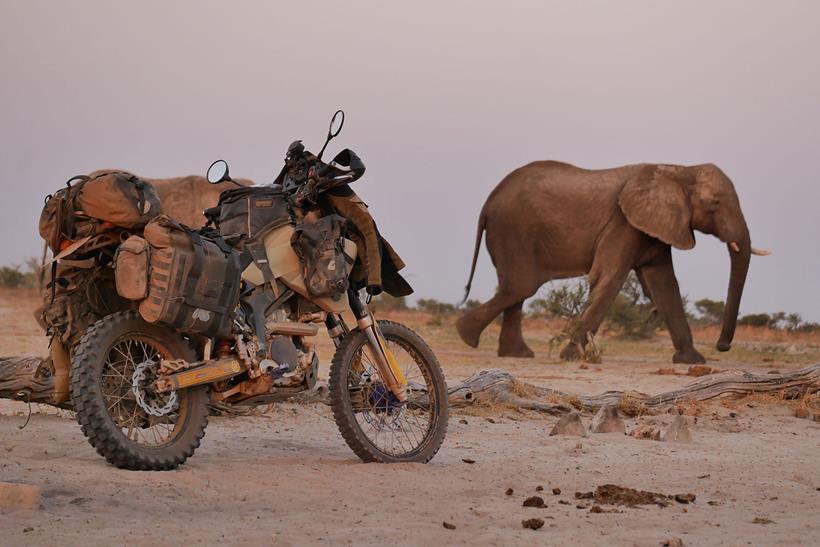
[(218, 172), (336, 123)]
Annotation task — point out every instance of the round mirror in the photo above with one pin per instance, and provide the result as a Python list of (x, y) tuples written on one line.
[(336, 123), (218, 172)]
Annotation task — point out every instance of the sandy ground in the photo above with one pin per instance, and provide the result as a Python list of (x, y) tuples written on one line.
[(287, 478)]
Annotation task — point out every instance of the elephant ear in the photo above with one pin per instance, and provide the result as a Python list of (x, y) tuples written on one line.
[(655, 203)]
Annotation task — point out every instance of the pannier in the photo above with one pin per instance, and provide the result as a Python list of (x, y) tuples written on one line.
[(193, 280), (320, 246), (131, 268), (118, 197), (252, 212)]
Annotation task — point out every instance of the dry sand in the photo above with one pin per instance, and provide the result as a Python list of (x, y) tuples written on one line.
[(287, 478)]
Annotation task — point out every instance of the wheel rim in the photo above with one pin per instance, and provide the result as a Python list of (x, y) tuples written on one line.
[(395, 429), (135, 424)]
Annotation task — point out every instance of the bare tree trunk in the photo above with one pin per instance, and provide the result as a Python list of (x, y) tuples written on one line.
[(499, 386)]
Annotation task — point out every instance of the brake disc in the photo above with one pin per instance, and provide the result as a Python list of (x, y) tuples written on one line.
[(136, 385)]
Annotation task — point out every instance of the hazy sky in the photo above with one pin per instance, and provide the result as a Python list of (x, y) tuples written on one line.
[(442, 99)]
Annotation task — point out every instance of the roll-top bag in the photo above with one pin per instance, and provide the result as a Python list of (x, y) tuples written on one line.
[(320, 246)]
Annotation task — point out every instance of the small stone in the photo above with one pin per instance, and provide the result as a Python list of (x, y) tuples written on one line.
[(677, 432), (607, 420), (534, 501), (564, 502), (19, 496), (700, 370), (509, 491), (556, 491), (491, 420), (532, 524), (672, 542), (596, 509), (539, 488), (448, 525), (646, 431), (462, 421), (570, 424), (28, 529), (762, 520), (468, 460), (584, 495), (685, 498)]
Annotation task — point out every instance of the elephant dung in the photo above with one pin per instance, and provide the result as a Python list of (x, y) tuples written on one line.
[(677, 432), (607, 420), (570, 424), (19, 496)]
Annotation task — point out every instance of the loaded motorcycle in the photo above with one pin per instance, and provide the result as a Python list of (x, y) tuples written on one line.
[(230, 312)]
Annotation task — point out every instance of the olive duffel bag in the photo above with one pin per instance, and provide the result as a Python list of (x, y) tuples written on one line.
[(193, 280)]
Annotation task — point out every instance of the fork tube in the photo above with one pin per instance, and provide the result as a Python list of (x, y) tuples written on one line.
[(366, 324)]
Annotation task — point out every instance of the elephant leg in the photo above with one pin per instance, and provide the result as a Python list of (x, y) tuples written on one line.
[(615, 255), (603, 291), (660, 277), (511, 342), (474, 321)]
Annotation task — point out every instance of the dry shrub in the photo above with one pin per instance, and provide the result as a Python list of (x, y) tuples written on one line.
[(631, 406)]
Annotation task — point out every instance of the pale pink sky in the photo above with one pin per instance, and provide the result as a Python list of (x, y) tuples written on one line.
[(443, 99)]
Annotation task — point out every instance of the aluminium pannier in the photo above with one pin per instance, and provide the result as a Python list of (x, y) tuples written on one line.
[(193, 282)]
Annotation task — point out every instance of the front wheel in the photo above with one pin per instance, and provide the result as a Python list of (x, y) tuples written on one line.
[(131, 425), (374, 424)]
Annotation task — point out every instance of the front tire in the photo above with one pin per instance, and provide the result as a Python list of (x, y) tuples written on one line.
[(107, 410), (375, 427)]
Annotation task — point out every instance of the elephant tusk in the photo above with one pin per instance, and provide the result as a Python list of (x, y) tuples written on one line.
[(734, 247), (760, 252)]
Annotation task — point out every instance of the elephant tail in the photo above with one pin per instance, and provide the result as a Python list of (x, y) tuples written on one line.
[(482, 224)]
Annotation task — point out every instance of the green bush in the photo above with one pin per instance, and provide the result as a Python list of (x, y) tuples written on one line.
[(11, 277), (386, 302), (710, 311)]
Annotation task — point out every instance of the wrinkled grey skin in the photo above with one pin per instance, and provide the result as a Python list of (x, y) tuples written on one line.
[(551, 220)]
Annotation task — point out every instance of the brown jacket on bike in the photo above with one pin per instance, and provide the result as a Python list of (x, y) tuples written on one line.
[(379, 264)]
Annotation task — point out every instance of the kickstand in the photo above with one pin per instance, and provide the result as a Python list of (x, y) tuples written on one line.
[(28, 402)]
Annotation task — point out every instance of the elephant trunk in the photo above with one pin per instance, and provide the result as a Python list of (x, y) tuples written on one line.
[(740, 252)]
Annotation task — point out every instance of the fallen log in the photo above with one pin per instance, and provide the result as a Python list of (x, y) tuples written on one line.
[(499, 386), (27, 377)]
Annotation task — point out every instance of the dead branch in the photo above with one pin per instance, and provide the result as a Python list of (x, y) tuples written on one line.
[(499, 386)]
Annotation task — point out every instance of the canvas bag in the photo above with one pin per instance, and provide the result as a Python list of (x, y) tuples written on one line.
[(131, 268), (320, 246), (193, 280), (251, 212), (118, 197)]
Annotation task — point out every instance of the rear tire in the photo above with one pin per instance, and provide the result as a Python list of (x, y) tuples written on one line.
[(92, 396), (343, 382)]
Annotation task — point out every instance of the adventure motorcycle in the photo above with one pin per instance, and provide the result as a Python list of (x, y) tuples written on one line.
[(141, 389)]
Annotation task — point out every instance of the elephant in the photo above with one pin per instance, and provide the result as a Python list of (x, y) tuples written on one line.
[(552, 220)]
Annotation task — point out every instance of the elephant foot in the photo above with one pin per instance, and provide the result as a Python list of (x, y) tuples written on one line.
[(468, 333), (572, 352), (688, 357), (517, 350)]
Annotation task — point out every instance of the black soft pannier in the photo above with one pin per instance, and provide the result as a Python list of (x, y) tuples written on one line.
[(252, 212), (193, 282), (320, 246)]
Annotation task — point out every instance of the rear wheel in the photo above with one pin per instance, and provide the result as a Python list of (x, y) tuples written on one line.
[(375, 425), (112, 373)]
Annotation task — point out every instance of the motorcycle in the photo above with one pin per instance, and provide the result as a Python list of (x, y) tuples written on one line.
[(141, 390)]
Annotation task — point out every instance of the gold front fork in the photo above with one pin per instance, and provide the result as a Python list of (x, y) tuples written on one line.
[(386, 362)]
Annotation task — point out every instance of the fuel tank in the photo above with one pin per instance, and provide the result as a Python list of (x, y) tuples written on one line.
[(284, 264)]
